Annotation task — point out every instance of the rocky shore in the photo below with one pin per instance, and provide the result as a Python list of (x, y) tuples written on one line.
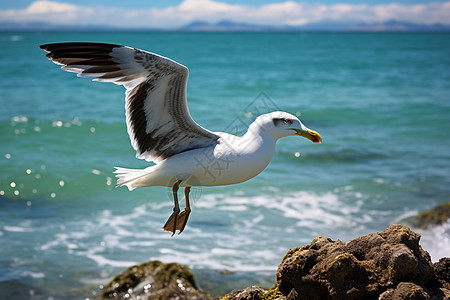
[(154, 280), (432, 217), (385, 265), (388, 265)]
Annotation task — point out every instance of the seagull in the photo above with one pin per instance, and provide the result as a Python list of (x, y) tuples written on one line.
[(162, 131)]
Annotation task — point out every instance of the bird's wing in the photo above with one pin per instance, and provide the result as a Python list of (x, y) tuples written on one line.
[(157, 115)]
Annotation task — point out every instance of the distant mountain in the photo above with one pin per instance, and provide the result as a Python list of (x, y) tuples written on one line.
[(230, 26), (398, 26), (323, 26), (225, 26)]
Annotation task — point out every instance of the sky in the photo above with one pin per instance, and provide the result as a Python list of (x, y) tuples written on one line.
[(170, 14)]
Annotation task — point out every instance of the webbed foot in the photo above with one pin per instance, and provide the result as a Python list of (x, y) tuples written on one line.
[(172, 223), (177, 220), (182, 220)]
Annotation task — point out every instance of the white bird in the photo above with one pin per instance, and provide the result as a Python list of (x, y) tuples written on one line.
[(161, 129)]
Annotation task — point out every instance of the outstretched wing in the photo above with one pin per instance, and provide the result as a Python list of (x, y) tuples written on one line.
[(157, 115)]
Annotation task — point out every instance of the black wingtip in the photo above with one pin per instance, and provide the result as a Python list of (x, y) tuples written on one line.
[(44, 47), (90, 45), (77, 50)]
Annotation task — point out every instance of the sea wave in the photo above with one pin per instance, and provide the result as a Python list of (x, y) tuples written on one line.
[(237, 233), (436, 240)]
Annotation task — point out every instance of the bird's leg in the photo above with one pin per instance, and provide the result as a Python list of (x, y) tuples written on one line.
[(184, 215), (171, 224)]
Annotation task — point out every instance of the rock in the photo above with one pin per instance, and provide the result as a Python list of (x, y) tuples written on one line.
[(154, 280), (387, 263), (435, 216), (250, 293), (442, 275), (254, 293), (442, 271), (405, 290)]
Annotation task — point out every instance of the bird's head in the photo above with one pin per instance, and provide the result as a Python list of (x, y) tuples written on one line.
[(280, 124)]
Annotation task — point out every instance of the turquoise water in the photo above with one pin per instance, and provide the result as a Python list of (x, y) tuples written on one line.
[(380, 101)]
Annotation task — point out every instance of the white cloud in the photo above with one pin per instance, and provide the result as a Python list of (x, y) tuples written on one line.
[(46, 11), (207, 6), (43, 7), (284, 13)]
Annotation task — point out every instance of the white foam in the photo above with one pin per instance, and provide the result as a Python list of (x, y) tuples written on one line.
[(309, 209), (33, 274), (234, 208), (232, 259), (16, 229), (142, 244), (59, 240), (103, 261), (436, 241)]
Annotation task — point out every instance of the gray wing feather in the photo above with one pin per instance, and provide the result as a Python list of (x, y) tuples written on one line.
[(157, 115)]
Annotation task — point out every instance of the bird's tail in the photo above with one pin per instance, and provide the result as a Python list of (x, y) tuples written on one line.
[(131, 177)]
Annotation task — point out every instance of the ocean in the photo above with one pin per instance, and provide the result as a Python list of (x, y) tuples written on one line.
[(381, 102)]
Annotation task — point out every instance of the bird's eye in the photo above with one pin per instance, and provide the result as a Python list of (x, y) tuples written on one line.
[(288, 121)]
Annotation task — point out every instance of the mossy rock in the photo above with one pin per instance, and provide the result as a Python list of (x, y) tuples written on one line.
[(432, 217), (254, 293), (273, 294), (154, 280)]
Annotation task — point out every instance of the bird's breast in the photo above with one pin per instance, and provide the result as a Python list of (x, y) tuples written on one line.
[(231, 163)]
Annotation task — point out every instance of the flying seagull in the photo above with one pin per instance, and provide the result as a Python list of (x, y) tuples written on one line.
[(162, 130)]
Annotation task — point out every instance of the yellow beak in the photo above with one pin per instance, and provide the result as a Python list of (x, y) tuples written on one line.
[(312, 135)]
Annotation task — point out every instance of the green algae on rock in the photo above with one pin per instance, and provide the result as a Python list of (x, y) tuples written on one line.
[(154, 280), (435, 216), (254, 293)]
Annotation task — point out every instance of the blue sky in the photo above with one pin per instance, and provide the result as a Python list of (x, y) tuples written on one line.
[(174, 13)]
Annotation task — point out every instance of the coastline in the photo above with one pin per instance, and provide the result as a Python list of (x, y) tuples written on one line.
[(383, 265)]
